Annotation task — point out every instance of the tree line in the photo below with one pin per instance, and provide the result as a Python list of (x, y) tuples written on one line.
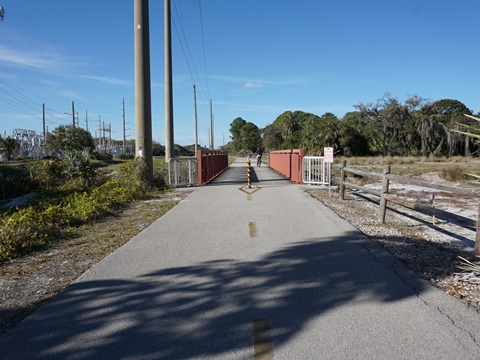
[(388, 127)]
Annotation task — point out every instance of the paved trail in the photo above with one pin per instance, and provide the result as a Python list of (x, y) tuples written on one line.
[(238, 273)]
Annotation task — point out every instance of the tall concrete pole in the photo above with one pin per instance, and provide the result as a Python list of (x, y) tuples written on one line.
[(123, 121), (143, 102), (195, 116), (169, 141)]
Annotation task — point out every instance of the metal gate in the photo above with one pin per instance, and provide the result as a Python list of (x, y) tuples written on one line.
[(316, 171), (182, 172)]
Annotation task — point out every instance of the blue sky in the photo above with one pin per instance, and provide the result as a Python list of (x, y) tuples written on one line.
[(254, 58)]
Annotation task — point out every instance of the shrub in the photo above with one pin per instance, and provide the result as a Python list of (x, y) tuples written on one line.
[(39, 223), (47, 173), (160, 179), (125, 156), (77, 164), (133, 174), (102, 155)]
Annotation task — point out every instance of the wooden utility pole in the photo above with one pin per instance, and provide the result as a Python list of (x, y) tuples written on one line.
[(143, 102), (73, 113), (169, 141)]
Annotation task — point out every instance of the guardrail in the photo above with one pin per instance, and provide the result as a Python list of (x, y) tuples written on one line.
[(424, 209), (288, 163), (210, 164)]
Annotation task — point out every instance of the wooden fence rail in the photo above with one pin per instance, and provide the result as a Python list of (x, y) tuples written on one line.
[(424, 209)]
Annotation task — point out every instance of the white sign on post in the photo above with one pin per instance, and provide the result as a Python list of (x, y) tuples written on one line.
[(328, 158), (328, 154)]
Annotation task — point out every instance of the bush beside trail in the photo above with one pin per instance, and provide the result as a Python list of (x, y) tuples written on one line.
[(55, 213)]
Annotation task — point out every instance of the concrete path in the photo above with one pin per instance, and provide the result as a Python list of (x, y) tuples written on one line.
[(238, 273)]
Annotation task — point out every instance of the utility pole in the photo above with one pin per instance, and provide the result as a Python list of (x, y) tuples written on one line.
[(99, 131), (43, 113), (123, 121), (86, 119), (73, 113), (195, 116), (211, 126), (169, 141), (143, 102)]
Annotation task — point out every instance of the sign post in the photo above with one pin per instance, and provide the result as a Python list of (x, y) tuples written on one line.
[(328, 158)]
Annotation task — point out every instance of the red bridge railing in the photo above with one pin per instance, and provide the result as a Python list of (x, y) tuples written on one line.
[(210, 164), (288, 163)]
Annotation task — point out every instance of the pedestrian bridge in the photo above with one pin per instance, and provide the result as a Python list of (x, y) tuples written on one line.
[(207, 166)]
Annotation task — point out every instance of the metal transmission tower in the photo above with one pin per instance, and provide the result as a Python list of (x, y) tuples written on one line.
[(29, 142), (143, 102)]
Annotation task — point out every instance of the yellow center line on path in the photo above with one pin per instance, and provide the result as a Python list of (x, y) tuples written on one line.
[(253, 229), (262, 343)]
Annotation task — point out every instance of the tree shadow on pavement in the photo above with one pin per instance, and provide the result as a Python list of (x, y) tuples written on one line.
[(207, 309)]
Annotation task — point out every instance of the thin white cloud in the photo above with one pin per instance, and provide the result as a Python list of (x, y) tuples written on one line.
[(287, 81), (107, 80), (250, 84), (39, 60)]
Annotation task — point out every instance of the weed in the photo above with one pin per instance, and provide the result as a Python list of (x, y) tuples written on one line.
[(452, 174)]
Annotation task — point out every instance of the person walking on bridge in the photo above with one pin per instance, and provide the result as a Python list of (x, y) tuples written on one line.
[(259, 154)]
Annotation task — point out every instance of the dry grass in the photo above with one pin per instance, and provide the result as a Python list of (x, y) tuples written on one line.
[(453, 169)]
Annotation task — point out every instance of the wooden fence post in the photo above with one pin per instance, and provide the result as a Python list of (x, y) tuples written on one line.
[(477, 236), (383, 201), (342, 179)]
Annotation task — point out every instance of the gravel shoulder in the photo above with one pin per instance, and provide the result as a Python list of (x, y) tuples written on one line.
[(431, 248)]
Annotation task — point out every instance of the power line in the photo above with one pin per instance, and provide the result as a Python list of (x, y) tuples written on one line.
[(190, 59), (203, 47)]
